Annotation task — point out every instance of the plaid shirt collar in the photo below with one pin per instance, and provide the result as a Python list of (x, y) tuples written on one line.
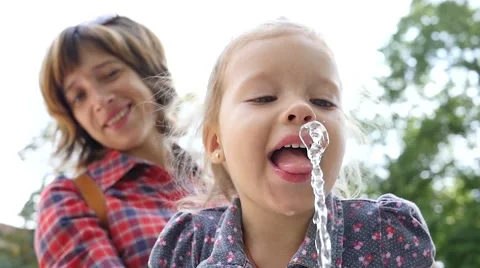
[(113, 167)]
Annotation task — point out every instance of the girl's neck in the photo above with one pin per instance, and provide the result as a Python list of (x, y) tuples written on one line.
[(272, 239)]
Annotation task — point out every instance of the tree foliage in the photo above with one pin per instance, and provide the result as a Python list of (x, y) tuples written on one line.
[(434, 59), (16, 248)]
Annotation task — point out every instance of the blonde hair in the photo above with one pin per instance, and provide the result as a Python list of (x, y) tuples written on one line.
[(216, 181), (129, 41)]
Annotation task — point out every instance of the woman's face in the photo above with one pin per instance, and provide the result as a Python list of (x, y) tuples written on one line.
[(110, 101)]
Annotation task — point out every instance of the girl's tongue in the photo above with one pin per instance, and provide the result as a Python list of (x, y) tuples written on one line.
[(292, 160)]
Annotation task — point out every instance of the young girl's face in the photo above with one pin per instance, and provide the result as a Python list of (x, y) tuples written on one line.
[(271, 88)]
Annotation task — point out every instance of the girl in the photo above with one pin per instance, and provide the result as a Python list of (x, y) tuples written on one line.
[(266, 84), (102, 82)]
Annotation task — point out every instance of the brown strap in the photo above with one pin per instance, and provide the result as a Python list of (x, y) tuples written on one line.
[(93, 196)]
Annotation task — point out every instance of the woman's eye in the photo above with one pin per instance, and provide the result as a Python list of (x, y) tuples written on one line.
[(75, 97), (112, 74), (79, 97), (264, 99), (322, 103)]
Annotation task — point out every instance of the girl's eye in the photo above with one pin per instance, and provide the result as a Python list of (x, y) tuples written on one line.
[(322, 103), (264, 99)]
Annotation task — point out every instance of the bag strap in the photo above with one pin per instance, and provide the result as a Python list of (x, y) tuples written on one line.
[(94, 197)]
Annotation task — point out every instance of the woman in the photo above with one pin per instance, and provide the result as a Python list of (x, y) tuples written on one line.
[(104, 83)]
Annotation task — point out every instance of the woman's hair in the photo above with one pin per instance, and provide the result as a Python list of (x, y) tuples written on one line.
[(216, 180), (123, 38)]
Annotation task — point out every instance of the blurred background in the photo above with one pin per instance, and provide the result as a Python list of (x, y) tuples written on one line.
[(419, 59)]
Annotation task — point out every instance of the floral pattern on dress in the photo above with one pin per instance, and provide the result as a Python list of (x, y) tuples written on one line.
[(387, 232)]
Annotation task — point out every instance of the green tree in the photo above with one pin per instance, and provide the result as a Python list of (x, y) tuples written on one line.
[(16, 248), (16, 244), (434, 57)]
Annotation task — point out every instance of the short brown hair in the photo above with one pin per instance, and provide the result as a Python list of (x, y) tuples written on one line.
[(129, 41)]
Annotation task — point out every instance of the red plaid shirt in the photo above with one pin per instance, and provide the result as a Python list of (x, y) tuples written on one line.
[(139, 203)]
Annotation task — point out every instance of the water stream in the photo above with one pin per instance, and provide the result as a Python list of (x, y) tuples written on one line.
[(314, 136)]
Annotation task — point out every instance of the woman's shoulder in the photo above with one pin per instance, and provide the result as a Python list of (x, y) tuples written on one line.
[(393, 225), (60, 202), (60, 188)]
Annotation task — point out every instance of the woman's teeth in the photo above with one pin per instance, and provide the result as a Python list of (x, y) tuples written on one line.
[(119, 116)]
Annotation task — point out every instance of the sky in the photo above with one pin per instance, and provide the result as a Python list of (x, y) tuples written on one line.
[(193, 33)]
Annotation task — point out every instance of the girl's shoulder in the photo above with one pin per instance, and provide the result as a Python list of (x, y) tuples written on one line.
[(188, 238), (386, 201), (387, 206), (392, 225), (204, 221)]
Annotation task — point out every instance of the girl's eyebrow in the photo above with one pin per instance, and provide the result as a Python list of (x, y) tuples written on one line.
[(253, 78), (331, 83)]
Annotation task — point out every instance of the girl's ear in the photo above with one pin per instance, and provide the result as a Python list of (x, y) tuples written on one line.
[(213, 147)]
